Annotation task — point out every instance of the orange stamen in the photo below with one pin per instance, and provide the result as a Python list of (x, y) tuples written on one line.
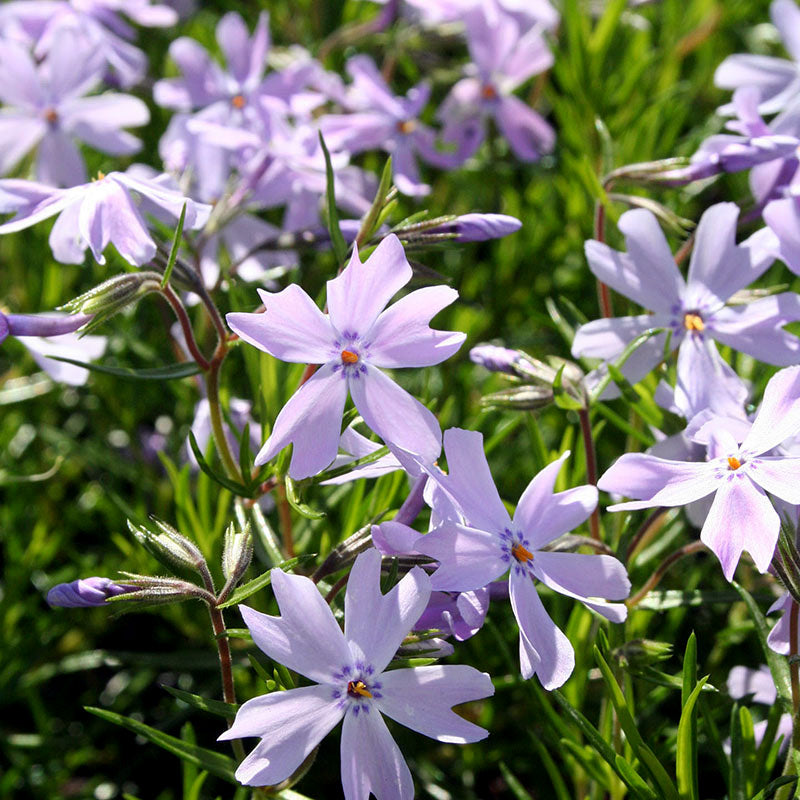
[(358, 688), (406, 126), (51, 115), (734, 462), (489, 92), (238, 101), (100, 176), (520, 553), (693, 322), (349, 357)]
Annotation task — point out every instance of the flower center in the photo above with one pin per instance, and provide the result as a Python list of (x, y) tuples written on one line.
[(692, 321), (349, 357), (51, 116), (238, 101), (489, 92), (522, 554), (100, 176), (733, 462), (358, 689), (406, 126)]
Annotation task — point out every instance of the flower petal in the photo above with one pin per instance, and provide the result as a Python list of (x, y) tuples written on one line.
[(543, 649), (291, 725), (291, 328), (658, 481), (741, 518), (778, 417), (468, 558), (375, 624), (528, 133), (647, 272), (401, 336), (422, 699), (362, 291), (778, 476), (786, 18), (305, 638), (372, 761), (311, 420), (397, 417)]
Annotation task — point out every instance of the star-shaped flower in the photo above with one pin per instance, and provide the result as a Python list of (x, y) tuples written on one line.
[(351, 343), (350, 683)]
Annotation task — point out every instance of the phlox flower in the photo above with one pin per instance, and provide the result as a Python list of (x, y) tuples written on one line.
[(694, 309), (737, 473), (760, 685), (85, 593), (504, 58), (778, 79), (95, 214), (350, 683), (46, 109), (351, 343), (484, 542)]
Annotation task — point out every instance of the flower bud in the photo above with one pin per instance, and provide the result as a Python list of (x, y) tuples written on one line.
[(155, 590), (520, 398), (237, 552), (464, 228), (86, 592), (496, 359), (40, 324), (170, 547), (114, 295), (640, 653)]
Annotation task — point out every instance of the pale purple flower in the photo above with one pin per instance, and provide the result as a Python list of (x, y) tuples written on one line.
[(526, 12), (86, 592), (457, 614), (495, 358), (350, 683), (777, 79), (486, 542), (738, 475), (46, 335), (758, 683), (780, 635), (693, 310), (96, 214), (355, 446), (45, 108), (42, 23), (381, 120), (350, 343), (504, 58), (479, 227)]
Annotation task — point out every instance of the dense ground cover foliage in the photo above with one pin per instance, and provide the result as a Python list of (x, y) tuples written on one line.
[(195, 467)]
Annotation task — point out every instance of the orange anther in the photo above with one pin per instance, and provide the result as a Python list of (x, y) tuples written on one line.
[(693, 322), (349, 357), (238, 101), (358, 688), (406, 126), (734, 462), (520, 553)]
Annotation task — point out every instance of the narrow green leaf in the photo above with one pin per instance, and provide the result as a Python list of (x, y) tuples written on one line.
[(216, 763), (686, 758), (170, 372), (590, 762), (737, 782), (222, 480), (634, 779), (217, 707), (770, 789), (778, 665), (173, 253), (643, 752), (337, 240), (294, 501), (257, 584), (516, 788)]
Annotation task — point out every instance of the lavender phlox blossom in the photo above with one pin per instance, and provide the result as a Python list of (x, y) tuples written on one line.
[(760, 686), (694, 310), (756, 143), (42, 23), (46, 109), (525, 12), (738, 475), (381, 120), (780, 635), (47, 335), (478, 227), (777, 79), (504, 58), (486, 542), (457, 614), (95, 214), (350, 683), (355, 446), (351, 343), (86, 592)]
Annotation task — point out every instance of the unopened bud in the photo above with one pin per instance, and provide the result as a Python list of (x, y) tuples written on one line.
[(640, 653), (496, 359), (86, 592), (170, 547), (236, 553), (520, 398), (464, 228), (156, 590), (114, 295)]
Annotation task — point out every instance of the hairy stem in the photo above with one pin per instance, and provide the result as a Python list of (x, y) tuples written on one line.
[(186, 326), (661, 570), (215, 411)]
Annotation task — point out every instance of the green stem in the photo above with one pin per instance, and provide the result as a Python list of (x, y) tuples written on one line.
[(215, 411)]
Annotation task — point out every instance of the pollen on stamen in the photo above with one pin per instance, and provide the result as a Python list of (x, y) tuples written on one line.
[(520, 553), (489, 92), (238, 101), (693, 322), (358, 689), (406, 126), (100, 176), (734, 462), (51, 116), (349, 357)]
